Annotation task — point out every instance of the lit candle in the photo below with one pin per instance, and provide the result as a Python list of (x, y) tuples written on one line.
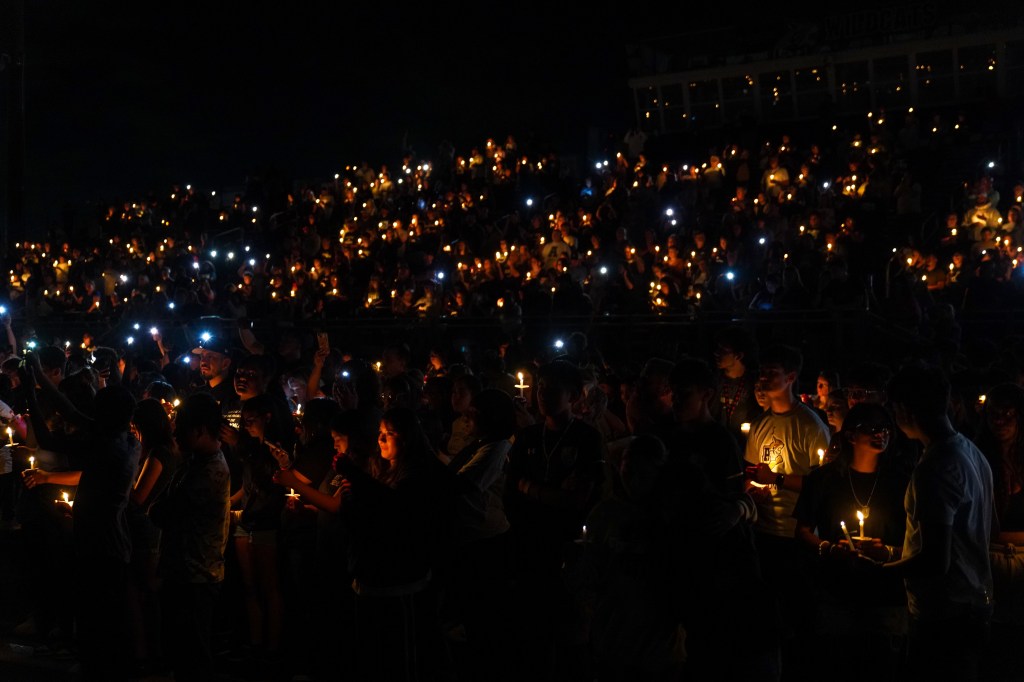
[(10, 436), (860, 519), (821, 456), (521, 385), (745, 427), (847, 534), (31, 462), (584, 532)]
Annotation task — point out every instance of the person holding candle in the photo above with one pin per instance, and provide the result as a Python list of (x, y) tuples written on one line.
[(780, 451), (400, 522), (259, 503), (860, 476), (314, 538), (556, 474), (107, 459), (945, 560), (623, 575), (735, 357), (159, 459)]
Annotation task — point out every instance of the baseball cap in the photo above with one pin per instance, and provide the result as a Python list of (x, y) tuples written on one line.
[(215, 343)]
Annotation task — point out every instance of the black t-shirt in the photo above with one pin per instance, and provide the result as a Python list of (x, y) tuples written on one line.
[(829, 496), (712, 449), (109, 469), (572, 460), (313, 460)]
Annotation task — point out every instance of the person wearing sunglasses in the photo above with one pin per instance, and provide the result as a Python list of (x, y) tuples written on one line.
[(860, 477)]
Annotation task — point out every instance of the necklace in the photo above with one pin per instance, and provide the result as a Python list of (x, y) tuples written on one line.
[(865, 507), (544, 448)]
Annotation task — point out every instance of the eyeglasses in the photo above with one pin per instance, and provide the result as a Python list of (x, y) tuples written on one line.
[(873, 430)]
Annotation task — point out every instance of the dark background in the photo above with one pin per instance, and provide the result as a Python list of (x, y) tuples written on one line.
[(123, 99)]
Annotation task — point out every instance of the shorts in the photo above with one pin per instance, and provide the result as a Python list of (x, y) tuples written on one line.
[(263, 538), (1007, 583)]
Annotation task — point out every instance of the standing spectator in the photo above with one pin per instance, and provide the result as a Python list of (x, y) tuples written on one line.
[(480, 579), (555, 476), (1001, 438), (158, 462), (945, 559), (108, 462), (194, 517), (735, 357), (400, 522), (781, 449), (862, 477)]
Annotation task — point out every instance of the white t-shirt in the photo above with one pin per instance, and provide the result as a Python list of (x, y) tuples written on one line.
[(951, 485), (788, 443)]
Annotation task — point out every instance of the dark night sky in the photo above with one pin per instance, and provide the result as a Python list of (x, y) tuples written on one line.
[(123, 98)]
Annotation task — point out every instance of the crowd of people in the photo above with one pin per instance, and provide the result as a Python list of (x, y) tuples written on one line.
[(857, 218), (271, 500)]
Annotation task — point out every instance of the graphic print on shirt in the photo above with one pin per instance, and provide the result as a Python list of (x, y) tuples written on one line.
[(771, 454)]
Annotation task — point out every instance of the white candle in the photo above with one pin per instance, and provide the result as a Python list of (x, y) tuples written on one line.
[(860, 519), (821, 456), (10, 436), (31, 462), (521, 385), (745, 427), (847, 534)]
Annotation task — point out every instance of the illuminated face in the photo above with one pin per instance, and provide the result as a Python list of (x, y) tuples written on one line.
[(835, 412), (212, 364), (255, 424), (340, 441), (248, 383), (774, 380), (388, 441), (823, 388), (726, 357)]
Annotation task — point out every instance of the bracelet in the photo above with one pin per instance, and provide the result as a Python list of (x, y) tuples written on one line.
[(823, 547), (779, 480)]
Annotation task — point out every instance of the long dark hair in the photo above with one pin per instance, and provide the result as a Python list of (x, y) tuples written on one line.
[(316, 419), (153, 424), (414, 450), (1003, 396)]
